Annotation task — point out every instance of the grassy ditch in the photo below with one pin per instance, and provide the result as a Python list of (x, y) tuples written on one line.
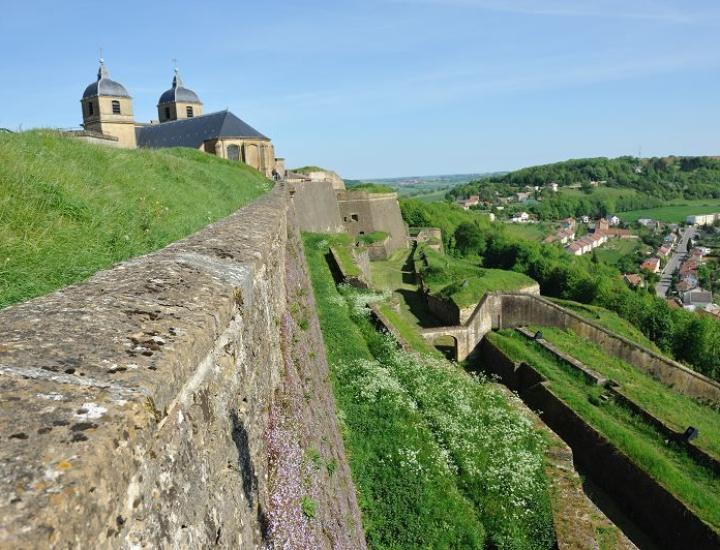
[(462, 281), (669, 464), (609, 320), (69, 209), (674, 409), (440, 459)]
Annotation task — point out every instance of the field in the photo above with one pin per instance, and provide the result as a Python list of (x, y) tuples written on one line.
[(440, 458), (69, 209), (616, 249), (599, 192), (674, 212), (527, 231), (695, 485)]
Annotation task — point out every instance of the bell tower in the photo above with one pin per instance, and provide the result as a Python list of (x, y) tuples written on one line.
[(178, 102), (107, 109)]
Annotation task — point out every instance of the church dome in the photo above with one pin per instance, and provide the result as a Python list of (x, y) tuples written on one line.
[(103, 86), (178, 93)]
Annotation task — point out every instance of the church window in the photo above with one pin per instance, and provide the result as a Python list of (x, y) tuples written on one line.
[(91, 111), (116, 107), (167, 112), (189, 112)]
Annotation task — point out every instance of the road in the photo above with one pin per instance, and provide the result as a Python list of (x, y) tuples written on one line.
[(661, 289)]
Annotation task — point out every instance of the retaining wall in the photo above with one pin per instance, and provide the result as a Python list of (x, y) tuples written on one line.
[(519, 310), (316, 207), (134, 407), (643, 499)]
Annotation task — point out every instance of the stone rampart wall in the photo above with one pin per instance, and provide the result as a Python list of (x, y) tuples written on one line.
[(316, 207), (134, 407), (519, 310), (668, 519)]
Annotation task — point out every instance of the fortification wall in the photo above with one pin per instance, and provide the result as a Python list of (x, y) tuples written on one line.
[(316, 207), (145, 406), (668, 519), (364, 212), (519, 310)]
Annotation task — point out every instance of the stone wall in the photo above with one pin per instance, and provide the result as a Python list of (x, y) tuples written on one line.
[(137, 408), (317, 207), (518, 310), (364, 212), (668, 519)]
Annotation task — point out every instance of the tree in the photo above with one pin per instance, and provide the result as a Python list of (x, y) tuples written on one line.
[(469, 239)]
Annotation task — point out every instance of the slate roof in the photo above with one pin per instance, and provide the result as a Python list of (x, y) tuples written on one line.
[(104, 85), (193, 132), (178, 92)]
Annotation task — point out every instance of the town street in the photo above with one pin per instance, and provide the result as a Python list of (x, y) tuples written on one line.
[(675, 260)]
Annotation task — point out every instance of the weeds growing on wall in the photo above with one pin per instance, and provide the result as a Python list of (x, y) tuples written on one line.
[(440, 459)]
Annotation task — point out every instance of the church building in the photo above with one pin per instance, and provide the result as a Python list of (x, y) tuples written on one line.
[(108, 114)]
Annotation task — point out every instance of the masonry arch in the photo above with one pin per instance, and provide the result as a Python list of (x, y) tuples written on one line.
[(447, 345)]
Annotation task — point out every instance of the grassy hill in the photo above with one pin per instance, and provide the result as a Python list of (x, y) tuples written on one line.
[(463, 282), (69, 209)]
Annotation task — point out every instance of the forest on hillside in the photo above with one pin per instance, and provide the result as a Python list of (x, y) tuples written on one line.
[(661, 178)]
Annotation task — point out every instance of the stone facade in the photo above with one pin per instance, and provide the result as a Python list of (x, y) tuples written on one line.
[(100, 116)]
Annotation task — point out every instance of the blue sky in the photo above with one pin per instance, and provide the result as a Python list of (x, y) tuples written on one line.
[(377, 88)]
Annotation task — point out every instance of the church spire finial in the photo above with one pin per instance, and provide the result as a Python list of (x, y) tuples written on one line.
[(102, 70), (177, 79)]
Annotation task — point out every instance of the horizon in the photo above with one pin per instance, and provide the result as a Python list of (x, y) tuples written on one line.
[(392, 87)]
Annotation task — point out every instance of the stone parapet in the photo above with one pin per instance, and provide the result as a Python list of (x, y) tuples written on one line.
[(134, 406)]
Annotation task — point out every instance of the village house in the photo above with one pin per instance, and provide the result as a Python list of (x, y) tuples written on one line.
[(652, 265), (634, 280), (472, 200), (522, 217), (614, 220)]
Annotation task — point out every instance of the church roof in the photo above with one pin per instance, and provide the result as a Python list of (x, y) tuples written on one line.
[(193, 132), (103, 86), (178, 93)]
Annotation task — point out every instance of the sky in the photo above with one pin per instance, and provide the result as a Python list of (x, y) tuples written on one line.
[(388, 88)]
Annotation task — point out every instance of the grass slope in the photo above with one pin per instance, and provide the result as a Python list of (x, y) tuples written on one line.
[(695, 485), (675, 409), (609, 320), (69, 209), (439, 458), (465, 283), (674, 213)]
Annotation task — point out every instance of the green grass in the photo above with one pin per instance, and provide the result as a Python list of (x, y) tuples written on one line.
[(308, 169), (435, 453), (371, 188), (675, 212), (675, 409), (527, 231), (463, 282), (69, 209), (616, 249), (669, 464), (374, 237), (609, 320)]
